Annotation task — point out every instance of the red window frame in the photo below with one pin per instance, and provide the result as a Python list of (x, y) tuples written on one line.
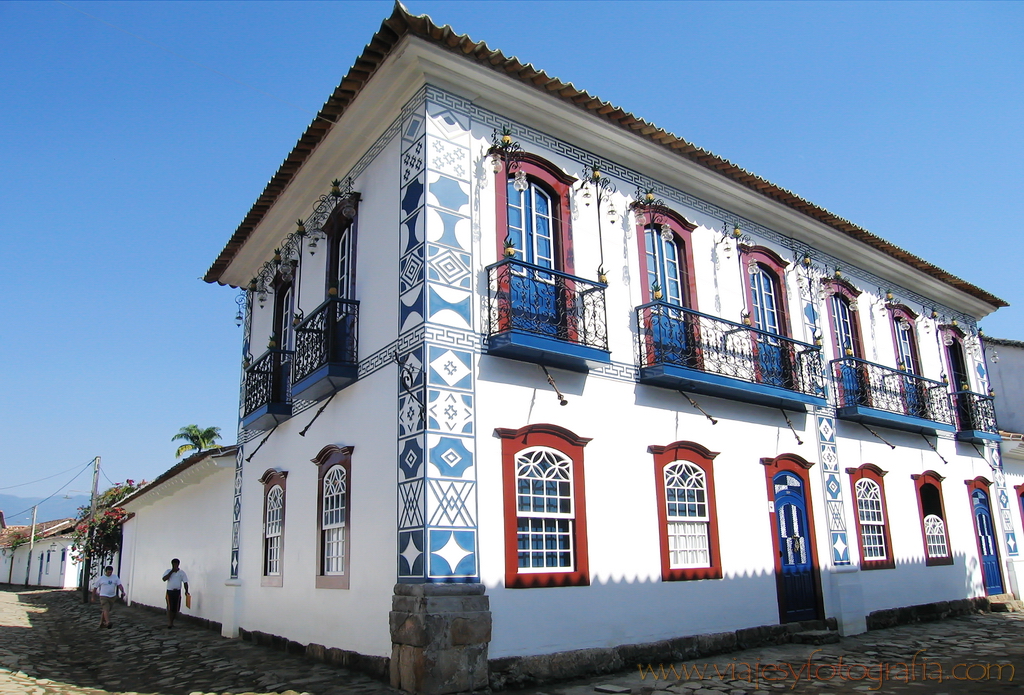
[(776, 265), (703, 458), (682, 229), (560, 185), (568, 443), (875, 474), (850, 294), (934, 479), (329, 457), (271, 478)]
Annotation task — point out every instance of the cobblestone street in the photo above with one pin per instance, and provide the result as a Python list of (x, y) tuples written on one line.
[(50, 645)]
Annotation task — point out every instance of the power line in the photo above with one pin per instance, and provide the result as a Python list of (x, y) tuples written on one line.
[(194, 62), (11, 487), (82, 470)]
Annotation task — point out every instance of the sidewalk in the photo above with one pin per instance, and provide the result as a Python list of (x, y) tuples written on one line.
[(50, 645)]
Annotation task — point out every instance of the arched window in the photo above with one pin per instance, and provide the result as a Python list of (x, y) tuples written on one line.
[(687, 517), (335, 502), (766, 290), (341, 249), (530, 223), (764, 300), (533, 214), (842, 312), (273, 526), (933, 518), (872, 517), (666, 256), (334, 477), (545, 507), (904, 336)]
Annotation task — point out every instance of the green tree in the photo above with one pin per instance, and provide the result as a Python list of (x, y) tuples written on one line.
[(198, 439)]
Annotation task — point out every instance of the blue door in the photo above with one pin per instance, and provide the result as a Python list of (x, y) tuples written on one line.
[(986, 543), (797, 594)]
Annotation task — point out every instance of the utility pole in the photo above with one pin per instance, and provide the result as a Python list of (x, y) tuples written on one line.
[(31, 545), (87, 565)]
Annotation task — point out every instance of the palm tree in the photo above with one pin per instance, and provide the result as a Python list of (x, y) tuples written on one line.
[(198, 439)]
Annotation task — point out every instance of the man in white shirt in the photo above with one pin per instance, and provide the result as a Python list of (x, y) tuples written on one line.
[(175, 578), (106, 588)]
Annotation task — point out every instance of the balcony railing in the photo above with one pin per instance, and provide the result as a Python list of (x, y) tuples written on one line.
[(267, 398), (544, 315), (682, 348), (870, 392), (975, 416), (326, 345)]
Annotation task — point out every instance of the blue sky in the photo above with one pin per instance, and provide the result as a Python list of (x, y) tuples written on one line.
[(127, 167)]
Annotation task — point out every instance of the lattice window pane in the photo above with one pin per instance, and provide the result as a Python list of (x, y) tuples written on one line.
[(935, 536), (687, 513), (872, 520), (334, 550), (335, 497), (544, 500)]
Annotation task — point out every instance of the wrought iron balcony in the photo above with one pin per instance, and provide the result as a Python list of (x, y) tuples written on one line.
[(267, 400), (975, 417), (326, 350), (684, 349), (877, 395), (541, 315)]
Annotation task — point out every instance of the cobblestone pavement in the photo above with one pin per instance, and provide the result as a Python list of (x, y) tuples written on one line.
[(975, 654), (50, 645)]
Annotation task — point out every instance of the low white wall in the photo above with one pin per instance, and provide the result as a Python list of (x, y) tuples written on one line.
[(194, 525)]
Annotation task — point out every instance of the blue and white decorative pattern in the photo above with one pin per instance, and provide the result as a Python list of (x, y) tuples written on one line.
[(1009, 535), (437, 506), (839, 540), (236, 513)]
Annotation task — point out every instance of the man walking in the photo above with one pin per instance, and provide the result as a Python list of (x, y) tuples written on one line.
[(106, 588), (175, 578)]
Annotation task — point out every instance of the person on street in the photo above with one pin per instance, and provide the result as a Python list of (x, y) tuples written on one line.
[(107, 587), (176, 579)]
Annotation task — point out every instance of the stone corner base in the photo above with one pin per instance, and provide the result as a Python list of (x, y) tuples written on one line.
[(439, 638)]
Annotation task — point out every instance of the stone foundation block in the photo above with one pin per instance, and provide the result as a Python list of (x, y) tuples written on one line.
[(439, 638)]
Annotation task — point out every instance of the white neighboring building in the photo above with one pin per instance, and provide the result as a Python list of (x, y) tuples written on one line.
[(1005, 361), (52, 562), (529, 355), (185, 513)]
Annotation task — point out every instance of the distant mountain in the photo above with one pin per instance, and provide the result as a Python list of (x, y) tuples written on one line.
[(54, 508)]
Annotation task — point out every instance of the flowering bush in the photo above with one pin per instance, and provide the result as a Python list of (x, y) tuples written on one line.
[(100, 536)]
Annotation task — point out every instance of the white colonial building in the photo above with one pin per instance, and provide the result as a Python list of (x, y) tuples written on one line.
[(49, 562), (531, 375)]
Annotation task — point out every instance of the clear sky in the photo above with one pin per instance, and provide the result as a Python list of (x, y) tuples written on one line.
[(126, 167)]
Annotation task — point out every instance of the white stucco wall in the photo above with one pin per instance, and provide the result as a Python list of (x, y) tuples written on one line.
[(192, 524), (51, 575)]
